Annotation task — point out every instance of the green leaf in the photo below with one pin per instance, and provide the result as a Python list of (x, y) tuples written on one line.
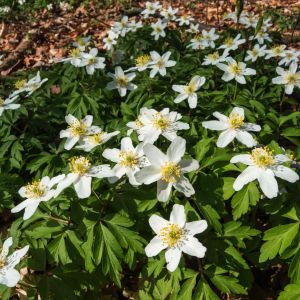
[(228, 284), (277, 240), (294, 268), (186, 290), (204, 292), (291, 292)]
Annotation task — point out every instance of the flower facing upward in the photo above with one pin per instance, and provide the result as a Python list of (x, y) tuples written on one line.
[(275, 51), (158, 29), (263, 165), (160, 63), (168, 169), (176, 236), (233, 127), (9, 276), (91, 62), (256, 52)]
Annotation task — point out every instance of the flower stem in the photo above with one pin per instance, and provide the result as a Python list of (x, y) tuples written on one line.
[(235, 90), (26, 284)]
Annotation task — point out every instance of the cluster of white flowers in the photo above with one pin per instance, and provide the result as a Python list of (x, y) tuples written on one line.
[(5, 9)]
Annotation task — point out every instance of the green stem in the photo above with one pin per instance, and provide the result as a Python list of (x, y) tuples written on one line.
[(26, 284), (235, 90), (59, 219)]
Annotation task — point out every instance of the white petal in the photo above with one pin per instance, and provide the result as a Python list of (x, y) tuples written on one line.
[(176, 150), (249, 174), (83, 187), (154, 247), (221, 117), (155, 156), (70, 142), (126, 144), (172, 258), (21, 205), (180, 98), (15, 258), (196, 227), (6, 245), (251, 127), (157, 223), (112, 154), (238, 110), (226, 137), (246, 138), (10, 278), (163, 190), (184, 186), (66, 182), (268, 183), (282, 158), (70, 119), (194, 247), (177, 215), (242, 158), (188, 165), (148, 175), (227, 76), (286, 173), (215, 125), (192, 100), (30, 209), (240, 79), (101, 171)]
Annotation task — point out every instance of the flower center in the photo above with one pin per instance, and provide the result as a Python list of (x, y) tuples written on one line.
[(141, 61), (161, 63), (77, 128), (128, 159), (80, 42), (35, 190), (235, 120), (213, 56), (157, 29), (92, 61), (254, 52), (263, 157), (79, 165), (229, 42), (139, 123), (122, 81), (235, 68), (172, 235), (74, 53), (189, 89), (161, 122), (2, 263), (277, 50), (20, 84), (1, 101), (96, 139), (292, 78), (170, 172)]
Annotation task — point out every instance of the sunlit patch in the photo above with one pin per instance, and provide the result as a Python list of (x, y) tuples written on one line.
[(129, 159), (235, 120), (77, 128), (172, 235), (35, 189), (170, 172), (79, 165), (263, 157)]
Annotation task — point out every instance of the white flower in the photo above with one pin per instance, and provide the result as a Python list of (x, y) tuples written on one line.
[(74, 57), (154, 123), (77, 129), (121, 81), (189, 91), (263, 165), (91, 61), (208, 37), (235, 70), (289, 78), (214, 58), (261, 37), (176, 236), (143, 62), (49, 6), (250, 21), (267, 24), (134, 26), (110, 40), (184, 20), (233, 16), (158, 29), (233, 127), (197, 42), (87, 143), (169, 14), (168, 169), (64, 6), (129, 160), (5, 9), (160, 63), (29, 86), (232, 44), (82, 43), (276, 51), (8, 104), (256, 52), (194, 28), (9, 276), (289, 56), (122, 27), (150, 8), (81, 173), (36, 192), (21, 2)]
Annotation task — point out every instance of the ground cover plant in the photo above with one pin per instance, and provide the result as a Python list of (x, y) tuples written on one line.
[(162, 168)]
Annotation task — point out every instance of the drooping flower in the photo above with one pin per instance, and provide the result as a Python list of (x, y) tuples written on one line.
[(77, 129), (121, 81), (152, 124), (168, 169), (176, 236), (8, 104), (160, 63), (36, 192), (235, 70), (263, 165), (189, 91), (158, 29), (91, 62), (256, 52), (9, 276), (129, 160), (233, 127), (81, 173), (289, 78)]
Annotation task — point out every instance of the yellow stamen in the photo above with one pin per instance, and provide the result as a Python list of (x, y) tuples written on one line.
[(191, 88), (2, 263), (161, 63), (263, 157), (254, 52), (20, 84), (292, 78), (139, 123), (170, 172), (1, 101), (92, 61), (161, 122), (141, 61), (172, 234), (74, 53), (213, 56), (97, 138), (122, 81), (235, 120), (235, 68), (77, 128), (79, 165), (35, 189), (128, 159), (277, 50), (229, 42)]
